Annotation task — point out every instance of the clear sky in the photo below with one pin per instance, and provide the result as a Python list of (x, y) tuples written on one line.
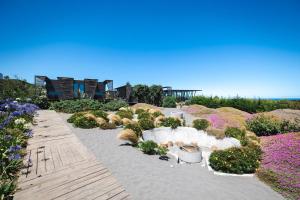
[(250, 48)]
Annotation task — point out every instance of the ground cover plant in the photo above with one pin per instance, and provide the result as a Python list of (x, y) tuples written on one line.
[(15, 120), (73, 106), (281, 163), (79, 105), (248, 105)]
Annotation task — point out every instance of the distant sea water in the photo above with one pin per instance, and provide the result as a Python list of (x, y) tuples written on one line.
[(290, 99)]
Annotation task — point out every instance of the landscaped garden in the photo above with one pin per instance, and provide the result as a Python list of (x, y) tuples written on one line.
[(231, 140)]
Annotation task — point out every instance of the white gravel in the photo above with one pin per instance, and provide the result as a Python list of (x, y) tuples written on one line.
[(148, 177)]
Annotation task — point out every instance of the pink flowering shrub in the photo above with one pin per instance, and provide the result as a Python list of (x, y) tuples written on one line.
[(216, 121), (280, 166)]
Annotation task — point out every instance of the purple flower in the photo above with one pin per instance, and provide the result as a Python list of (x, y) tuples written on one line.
[(28, 133), (14, 148), (14, 157)]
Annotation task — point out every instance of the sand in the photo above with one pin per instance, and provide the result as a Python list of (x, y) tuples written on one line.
[(147, 177)]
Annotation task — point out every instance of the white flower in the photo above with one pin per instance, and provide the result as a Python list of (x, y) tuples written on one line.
[(20, 121), (18, 99), (26, 126)]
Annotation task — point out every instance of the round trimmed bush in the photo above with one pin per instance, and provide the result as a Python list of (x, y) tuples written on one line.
[(146, 123), (200, 124), (125, 114), (171, 122), (148, 147), (235, 160), (83, 122)]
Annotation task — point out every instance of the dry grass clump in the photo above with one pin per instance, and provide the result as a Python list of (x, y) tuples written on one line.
[(145, 106), (218, 133), (115, 119), (129, 135), (100, 121), (108, 125), (89, 116), (158, 121), (126, 121)]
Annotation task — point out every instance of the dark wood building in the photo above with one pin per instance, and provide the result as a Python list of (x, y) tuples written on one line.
[(67, 88)]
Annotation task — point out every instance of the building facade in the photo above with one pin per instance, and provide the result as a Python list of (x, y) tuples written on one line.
[(64, 88)]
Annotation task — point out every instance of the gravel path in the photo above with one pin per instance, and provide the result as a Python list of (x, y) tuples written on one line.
[(148, 177)]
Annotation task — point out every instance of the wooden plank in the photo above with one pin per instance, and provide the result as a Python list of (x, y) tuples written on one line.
[(62, 167)]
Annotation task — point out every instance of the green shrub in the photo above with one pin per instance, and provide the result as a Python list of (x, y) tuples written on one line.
[(148, 147), (114, 105), (162, 151), (288, 126), (144, 115), (263, 125), (151, 148), (139, 111), (235, 160), (125, 114), (75, 116), (7, 187), (171, 122), (136, 128), (157, 114), (169, 102), (238, 134), (146, 123), (100, 113), (83, 122), (41, 101), (200, 124), (72, 106), (108, 126)]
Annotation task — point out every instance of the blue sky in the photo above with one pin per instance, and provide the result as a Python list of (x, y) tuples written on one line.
[(249, 48)]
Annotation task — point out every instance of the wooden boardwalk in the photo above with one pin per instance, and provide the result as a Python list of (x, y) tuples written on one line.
[(60, 167)]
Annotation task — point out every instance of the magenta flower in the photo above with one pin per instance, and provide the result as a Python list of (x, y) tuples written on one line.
[(282, 156), (216, 121)]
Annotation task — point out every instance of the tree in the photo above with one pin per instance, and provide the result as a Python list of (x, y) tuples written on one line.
[(141, 92), (156, 95)]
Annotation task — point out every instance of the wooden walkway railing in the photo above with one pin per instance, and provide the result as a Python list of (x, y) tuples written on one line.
[(60, 167)]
